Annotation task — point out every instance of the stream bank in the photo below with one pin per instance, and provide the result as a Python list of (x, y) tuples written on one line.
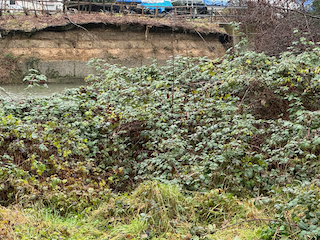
[(61, 52)]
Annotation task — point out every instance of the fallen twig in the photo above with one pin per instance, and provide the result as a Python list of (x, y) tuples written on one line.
[(211, 49), (275, 234), (77, 25)]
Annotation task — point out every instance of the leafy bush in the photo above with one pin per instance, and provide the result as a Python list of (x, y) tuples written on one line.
[(34, 78), (243, 123), (299, 216)]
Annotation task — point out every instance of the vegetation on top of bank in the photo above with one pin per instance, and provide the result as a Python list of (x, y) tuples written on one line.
[(30, 24), (194, 141)]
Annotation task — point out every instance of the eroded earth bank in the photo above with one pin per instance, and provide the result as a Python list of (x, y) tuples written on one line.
[(62, 52)]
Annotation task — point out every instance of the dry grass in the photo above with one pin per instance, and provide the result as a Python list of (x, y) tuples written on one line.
[(9, 219), (33, 23)]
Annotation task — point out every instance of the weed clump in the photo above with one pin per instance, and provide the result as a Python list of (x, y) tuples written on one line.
[(216, 207), (159, 204)]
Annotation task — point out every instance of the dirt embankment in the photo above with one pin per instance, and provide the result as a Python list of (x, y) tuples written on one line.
[(60, 46)]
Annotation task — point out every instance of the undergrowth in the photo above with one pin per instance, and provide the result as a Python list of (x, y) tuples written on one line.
[(9, 68), (173, 152)]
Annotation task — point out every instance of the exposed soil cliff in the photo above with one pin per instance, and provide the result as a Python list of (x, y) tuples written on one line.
[(61, 50)]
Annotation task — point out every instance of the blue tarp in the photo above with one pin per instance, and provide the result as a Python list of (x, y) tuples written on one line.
[(164, 4), (215, 3), (129, 1), (308, 4), (150, 4), (161, 5)]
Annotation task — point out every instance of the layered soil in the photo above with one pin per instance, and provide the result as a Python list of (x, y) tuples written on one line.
[(60, 47)]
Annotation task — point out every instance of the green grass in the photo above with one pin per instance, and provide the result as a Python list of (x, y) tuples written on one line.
[(43, 223), (152, 211)]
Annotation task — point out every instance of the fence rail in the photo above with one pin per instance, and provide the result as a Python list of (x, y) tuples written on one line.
[(89, 6)]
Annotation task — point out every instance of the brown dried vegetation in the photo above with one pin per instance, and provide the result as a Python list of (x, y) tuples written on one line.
[(274, 25), (32, 23), (8, 67)]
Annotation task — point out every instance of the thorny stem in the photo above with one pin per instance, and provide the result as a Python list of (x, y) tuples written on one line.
[(172, 89), (254, 220), (6, 93)]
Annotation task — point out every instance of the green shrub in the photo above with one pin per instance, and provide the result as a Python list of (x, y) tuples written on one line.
[(243, 123), (299, 217)]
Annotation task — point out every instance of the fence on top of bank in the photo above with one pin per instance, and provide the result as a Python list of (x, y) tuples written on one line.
[(219, 11)]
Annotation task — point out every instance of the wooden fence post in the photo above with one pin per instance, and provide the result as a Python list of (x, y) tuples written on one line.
[(194, 10)]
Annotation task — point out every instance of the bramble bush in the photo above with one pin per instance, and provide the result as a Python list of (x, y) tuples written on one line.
[(243, 123), (298, 216)]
